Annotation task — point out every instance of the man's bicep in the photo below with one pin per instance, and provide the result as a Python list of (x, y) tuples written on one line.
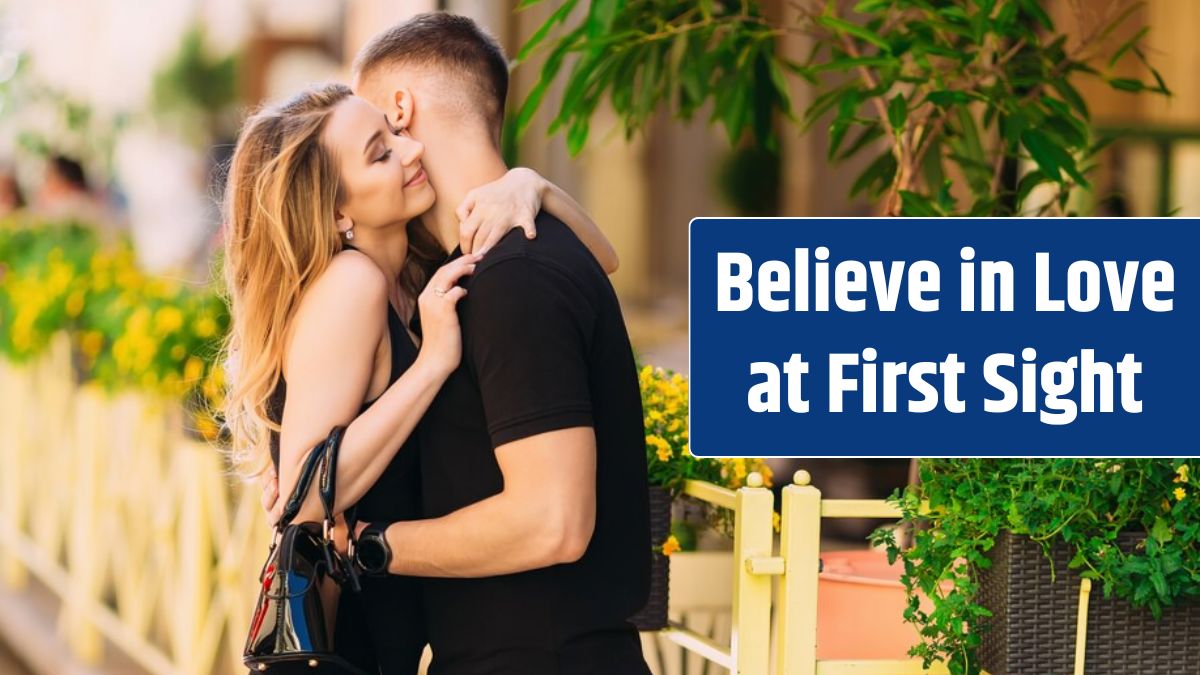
[(528, 331), (557, 469)]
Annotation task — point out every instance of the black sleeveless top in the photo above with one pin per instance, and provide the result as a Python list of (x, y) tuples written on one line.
[(397, 493)]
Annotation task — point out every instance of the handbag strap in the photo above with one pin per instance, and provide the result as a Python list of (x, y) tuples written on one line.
[(296, 499), (327, 485), (327, 489)]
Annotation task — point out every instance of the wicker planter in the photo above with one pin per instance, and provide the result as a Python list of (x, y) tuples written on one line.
[(654, 615), (1032, 630)]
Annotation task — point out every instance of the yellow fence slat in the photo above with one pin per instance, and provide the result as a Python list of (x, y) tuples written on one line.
[(139, 531)]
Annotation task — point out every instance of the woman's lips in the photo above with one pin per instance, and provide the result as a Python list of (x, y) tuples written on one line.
[(417, 178)]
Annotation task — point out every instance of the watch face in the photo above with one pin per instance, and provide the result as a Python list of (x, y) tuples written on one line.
[(371, 554)]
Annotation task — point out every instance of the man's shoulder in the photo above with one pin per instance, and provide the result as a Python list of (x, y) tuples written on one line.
[(554, 253)]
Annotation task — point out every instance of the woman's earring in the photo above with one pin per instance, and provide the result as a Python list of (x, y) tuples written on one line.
[(350, 233)]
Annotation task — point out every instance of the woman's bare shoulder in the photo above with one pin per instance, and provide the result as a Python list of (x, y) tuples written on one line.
[(345, 306)]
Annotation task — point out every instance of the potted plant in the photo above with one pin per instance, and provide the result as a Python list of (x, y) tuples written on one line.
[(670, 465), (999, 547)]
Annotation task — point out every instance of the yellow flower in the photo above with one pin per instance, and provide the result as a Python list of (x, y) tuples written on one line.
[(178, 352), (207, 427), (1180, 493), (91, 343), (661, 446), (776, 520), (1182, 474), (193, 370), (75, 304), (168, 320), (205, 327), (671, 545)]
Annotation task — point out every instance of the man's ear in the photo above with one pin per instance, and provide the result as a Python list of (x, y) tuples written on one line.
[(403, 106)]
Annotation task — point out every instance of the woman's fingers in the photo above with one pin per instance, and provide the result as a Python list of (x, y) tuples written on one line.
[(464, 209), (455, 294), (488, 235), (450, 273), (467, 231), (270, 495)]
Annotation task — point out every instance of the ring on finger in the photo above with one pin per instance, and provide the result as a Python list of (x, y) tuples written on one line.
[(440, 292)]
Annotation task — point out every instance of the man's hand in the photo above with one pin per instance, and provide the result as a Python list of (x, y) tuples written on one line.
[(271, 502)]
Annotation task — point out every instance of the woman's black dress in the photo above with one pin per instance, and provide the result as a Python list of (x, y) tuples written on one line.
[(382, 629)]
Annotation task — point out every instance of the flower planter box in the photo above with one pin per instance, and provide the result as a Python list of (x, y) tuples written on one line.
[(1033, 625)]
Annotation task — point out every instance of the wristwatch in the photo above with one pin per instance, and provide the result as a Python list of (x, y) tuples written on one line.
[(372, 553)]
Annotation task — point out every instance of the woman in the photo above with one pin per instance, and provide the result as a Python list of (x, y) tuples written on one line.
[(320, 333)]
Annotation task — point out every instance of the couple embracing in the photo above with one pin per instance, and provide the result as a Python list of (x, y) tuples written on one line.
[(493, 445)]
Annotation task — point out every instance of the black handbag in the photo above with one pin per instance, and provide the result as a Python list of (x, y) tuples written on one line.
[(293, 624)]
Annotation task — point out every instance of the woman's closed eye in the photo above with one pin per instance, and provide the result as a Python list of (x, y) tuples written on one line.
[(383, 156)]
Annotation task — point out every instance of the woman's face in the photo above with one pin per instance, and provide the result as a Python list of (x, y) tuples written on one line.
[(383, 183)]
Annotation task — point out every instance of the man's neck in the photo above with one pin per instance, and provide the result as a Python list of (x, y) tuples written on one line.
[(461, 164)]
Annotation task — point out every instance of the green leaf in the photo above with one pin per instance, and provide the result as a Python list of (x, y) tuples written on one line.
[(540, 34), (1126, 84), (897, 113), (915, 205), (1161, 531), (577, 135), (1127, 45), (534, 100), (601, 14), (946, 98), (877, 176), (945, 202), (1034, 9), (1071, 96), (872, 6), (854, 30), (1039, 148), (869, 134)]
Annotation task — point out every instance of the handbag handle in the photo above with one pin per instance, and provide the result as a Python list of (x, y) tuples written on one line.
[(321, 459)]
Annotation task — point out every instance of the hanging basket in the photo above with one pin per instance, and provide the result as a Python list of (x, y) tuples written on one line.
[(654, 615)]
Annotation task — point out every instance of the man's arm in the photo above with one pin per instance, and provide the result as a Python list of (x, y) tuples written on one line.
[(544, 516)]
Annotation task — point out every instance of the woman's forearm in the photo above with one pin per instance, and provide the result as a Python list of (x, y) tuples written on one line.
[(565, 208), (372, 440)]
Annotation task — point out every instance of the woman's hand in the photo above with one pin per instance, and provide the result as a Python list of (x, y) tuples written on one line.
[(491, 210), (341, 535), (441, 347), (271, 503)]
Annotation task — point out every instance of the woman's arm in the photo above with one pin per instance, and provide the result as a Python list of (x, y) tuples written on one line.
[(329, 363), (490, 211)]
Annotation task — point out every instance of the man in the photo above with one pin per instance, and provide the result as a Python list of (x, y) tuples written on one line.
[(536, 535)]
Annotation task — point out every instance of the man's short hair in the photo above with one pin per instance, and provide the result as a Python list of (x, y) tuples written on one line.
[(446, 41)]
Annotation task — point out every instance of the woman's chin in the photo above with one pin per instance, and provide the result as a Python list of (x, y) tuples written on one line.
[(423, 196)]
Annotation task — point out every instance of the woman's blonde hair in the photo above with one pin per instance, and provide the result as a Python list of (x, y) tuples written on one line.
[(280, 199)]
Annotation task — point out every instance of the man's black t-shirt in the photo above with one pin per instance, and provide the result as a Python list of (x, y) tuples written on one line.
[(544, 348)]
